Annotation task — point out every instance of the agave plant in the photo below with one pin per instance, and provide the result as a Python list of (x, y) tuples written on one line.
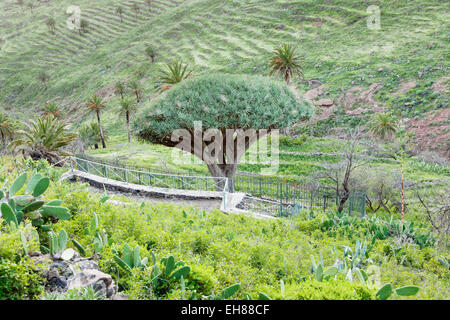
[(43, 138), (96, 105), (286, 62), (173, 73)]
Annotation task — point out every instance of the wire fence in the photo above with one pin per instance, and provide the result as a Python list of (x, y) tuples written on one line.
[(269, 195)]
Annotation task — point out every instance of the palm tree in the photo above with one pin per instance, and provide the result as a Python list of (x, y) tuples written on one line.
[(84, 24), (383, 125), (6, 128), (51, 108), (127, 108), (96, 105), (51, 24), (136, 88), (89, 134), (119, 12), (120, 89), (173, 73), (43, 139), (150, 51), (286, 62)]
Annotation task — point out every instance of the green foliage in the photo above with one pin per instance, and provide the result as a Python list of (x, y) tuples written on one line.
[(19, 280), (173, 73), (254, 102), (43, 138), (387, 290)]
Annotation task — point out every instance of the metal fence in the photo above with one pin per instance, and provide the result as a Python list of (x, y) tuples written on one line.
[(274, 195), (147, 178)]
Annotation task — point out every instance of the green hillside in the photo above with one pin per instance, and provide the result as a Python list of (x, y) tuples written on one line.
[(407, 57)]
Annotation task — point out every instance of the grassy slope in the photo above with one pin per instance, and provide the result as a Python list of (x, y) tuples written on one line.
[(229, 36)]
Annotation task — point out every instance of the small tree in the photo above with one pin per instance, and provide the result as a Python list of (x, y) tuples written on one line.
[(286, 62), (119, 89), (150, 52), (232, 107), (127, 108), (173, 73), (84, 24), (51, 24), (136, 89), (383, 125), (342, 174), (96, 105), (119, 12)]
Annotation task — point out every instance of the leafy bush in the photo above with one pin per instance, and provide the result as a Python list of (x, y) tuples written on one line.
[(19, 281)]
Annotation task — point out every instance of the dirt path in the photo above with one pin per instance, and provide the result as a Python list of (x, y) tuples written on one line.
[(201, 204)]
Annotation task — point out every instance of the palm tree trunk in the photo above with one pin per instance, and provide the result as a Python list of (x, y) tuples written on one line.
[(128, 126), (101, 130)]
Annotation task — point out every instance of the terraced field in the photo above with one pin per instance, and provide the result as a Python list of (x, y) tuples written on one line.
[(338, 49)]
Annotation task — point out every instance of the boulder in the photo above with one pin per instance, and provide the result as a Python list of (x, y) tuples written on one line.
[(77, 272), (101, 282)]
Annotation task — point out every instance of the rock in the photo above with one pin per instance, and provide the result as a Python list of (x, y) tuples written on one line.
[(100, 282), (324, 102), (120, 296), (310, 95)]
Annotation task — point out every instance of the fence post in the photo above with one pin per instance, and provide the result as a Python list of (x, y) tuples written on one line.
[(281, 199), (71, 164)]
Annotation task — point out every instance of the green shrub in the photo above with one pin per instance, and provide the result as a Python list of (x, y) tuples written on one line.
[(19, 281), (291, 142), (325, 290), (200, 244), (201, 279)]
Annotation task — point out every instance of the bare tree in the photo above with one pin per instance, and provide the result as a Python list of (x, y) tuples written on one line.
[(342, 173), (437, 209)]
